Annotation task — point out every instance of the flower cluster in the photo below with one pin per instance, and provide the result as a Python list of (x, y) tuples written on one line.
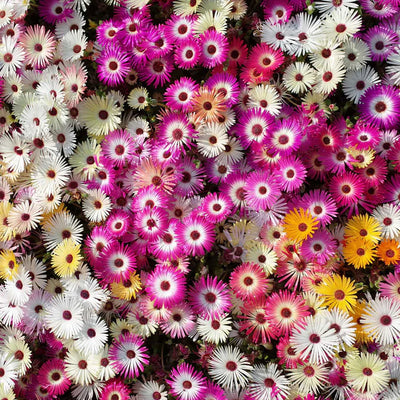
[(199, 199)]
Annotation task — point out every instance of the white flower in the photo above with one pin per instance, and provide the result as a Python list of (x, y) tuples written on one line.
[(388, 216), (96, 206), (267, 383), (64, 316), (358, 81), (214, 330), (212, 139), (93, 335), (230, 368), (8, 369), (381, 320), (315, 339)]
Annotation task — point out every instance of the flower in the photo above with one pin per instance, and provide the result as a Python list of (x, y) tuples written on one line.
[(299, 224), (381, 320), (338, 292), (315, 341), (248, 281), (359, 252), (186, 383), (128, 355), (229, 367), (367, 373), (66, 257)]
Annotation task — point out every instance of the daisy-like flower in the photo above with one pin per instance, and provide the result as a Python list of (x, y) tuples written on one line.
[(356, 82), (255, 322), (328, 77), (389, 251), (115, 389), (157, 71), (254, 126), (113, 66), (118, 147), (266, 97), (186, 383), (197, 235), (380, 105), (39, 45), (116, 263), (363, 226), (100, 115), (229, 368), (285, 311), (11, 56), (309, 378), (390, 287), (381, 320), (64, 316), (151, 389), (320, 205), (138, 98), (18, 288), (9, 367), (367, 372), (343, 325), (92, 337), (338, 292), (209, 297), (187, 54), (359, 252), (268, 382), (24, 216), (96, 206), (165, 286), (315, 341), (299, 224), (214, 330), (180, 94), (346, 189), (81, 369), (341, 24), (128, 355), (214, 48), (285, 136), (52, 377), (208, 105), (261, 190), (66, 257), (180, 321), (299, 77), (15, 152), (212, 139), (320, 248), (265, 59), (248, 281), (72, 45)]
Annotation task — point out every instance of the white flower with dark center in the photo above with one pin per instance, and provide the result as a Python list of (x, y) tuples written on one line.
[(381, 320), (230, 368), (315, 340)]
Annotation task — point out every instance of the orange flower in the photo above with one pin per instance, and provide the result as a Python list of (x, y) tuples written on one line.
[(208, 105)]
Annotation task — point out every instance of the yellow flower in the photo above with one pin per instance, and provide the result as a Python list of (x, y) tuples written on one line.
[(359, 252), (299, 225), (6, 233), (8, 264), (358, 311), (388, 251), (66, 258), (338, 291), (363, 226), (127, 289), (363, 157)]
